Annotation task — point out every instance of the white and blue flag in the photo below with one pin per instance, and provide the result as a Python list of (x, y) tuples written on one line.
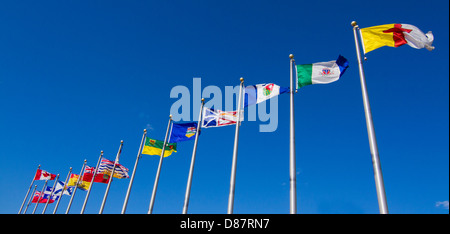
[(255, 94)]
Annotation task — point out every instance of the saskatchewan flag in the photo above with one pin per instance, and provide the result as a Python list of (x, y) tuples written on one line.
[(321, 73), (154, 147)]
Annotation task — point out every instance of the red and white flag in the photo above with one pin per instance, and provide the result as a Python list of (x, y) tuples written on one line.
[(44, 175)]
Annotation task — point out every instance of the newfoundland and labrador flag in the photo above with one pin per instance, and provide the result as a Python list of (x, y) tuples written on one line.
[(183, 132), (218, 118), (395, 35), (154, 147), (321, 73), (255, 94)]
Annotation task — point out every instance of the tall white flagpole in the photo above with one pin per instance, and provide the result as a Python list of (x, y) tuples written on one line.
[(194, 152), (111, 178), (92, 183), (379, 183), (127, 196), (62, 193), (235, 152), (39, 198), (31, 185), (29, 200), (155, 186), (51, 194), (292, 164), (76, 186)]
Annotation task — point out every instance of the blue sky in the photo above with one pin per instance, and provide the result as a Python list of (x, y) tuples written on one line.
[(78, 77)]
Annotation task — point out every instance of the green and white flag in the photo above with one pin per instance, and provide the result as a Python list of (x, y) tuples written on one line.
[(321, 73)]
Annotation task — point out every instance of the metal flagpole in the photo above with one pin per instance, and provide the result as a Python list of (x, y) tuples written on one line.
[(51, 194), (235, 152), (92, 183), (110, 178), (127, 196), (292, 164), (29, 188), (194, 152), (76, 186), (39, 198), (62, 192), (155, 186), (29, 200), (379, 183)]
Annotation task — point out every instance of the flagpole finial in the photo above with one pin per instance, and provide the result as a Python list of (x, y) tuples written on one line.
[(203, 100), (70, 168), (121, 141), (354, 23), (145, 130), (170, 116), (242, 79), (291, 56)]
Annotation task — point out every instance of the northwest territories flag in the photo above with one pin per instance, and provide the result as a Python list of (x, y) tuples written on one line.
[(255, 94), (183, 132), (218, 118), (321, 73)]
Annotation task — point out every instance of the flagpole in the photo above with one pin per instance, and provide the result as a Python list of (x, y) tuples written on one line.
[(51, 194), (155, 186), (194, 152), (76, 186), (379, 183), (110, 178), (62, 193), (92, 183), (292, 164), (29, 188), (39, 198), (125, 203), (29, 200), (235, 152)]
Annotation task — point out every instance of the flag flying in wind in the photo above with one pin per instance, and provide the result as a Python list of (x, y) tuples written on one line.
[(218, 118), (183, 132), (43, 175), (44, 197), (60, 189), (99, 177), (395, 35), (83, 185), (106, 167), (154, 147), (255, 94), (321, 73)]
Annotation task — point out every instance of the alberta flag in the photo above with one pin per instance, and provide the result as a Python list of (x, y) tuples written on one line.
[(183, 132), (255, 94), (321, 73)]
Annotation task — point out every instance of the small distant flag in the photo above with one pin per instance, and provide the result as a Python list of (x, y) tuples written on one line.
[(60, 189), (99, 177), (255, 94), (106, 166), (83, 185), (44, 175), (183, 132), (154, 147), (395, 35), (43, 198), (321, 73), (218, 118)]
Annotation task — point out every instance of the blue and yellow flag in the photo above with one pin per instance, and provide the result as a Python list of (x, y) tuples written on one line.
[(183, 132)]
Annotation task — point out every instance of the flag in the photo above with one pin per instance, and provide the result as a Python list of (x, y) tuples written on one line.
[(218, 118), (255, 94), (43, 175), (61, 189), (106, 166), (183, 132), (395, 35), (154, 147), (99, 177), (43, 199), (321, 73), (83, 185)]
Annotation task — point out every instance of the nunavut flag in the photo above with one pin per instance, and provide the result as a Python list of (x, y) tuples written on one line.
[(395, 35)]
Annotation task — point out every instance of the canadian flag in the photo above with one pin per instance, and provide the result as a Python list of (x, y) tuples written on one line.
[(43, 175)]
